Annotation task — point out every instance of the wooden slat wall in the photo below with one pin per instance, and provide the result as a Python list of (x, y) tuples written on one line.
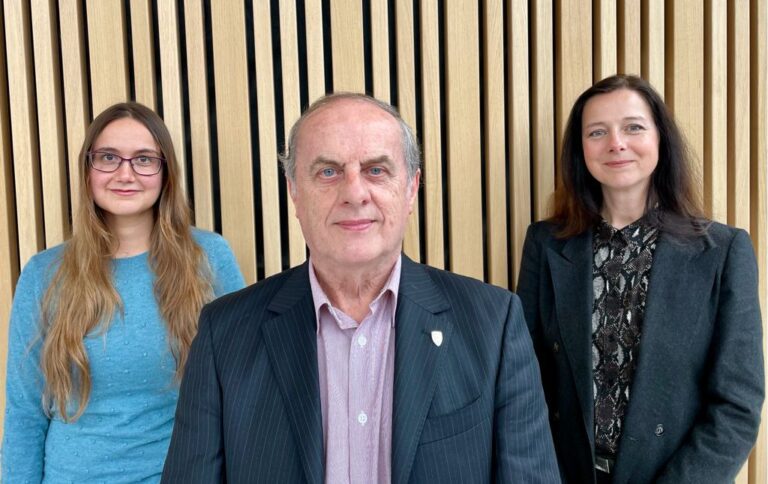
[(487, 85)]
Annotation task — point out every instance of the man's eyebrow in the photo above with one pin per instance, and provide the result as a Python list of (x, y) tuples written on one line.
[(379, 160), (322, 161)]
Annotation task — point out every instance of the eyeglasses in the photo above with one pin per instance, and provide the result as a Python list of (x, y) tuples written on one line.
[(109, 162)]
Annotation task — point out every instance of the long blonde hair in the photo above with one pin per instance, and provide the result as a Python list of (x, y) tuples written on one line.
[(82, 297)]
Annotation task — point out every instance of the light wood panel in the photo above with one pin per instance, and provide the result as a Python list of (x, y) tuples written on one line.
[(519, 132), (463, 138), (291, 111), (21, 96), (313, 15), (653, 48), (268, 161), (107, 53), (75, 85), (170, 67), (406, 103), (606, 37), (431, 138), (739, 153), (494, 140), (234, 133), (716, 111), (629, 36), (50, 123), (542, 106), (347, 43), (144, 75), (9, 271), (380, 49), (685, 71), (199, 126)]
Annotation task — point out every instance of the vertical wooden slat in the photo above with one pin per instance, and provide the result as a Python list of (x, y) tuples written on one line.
[(230, 64), (291, 111), (431, 138), (9, 269), (573, 64), (170, 67), (380, 49), (199, 127), (605, 38), (739, 153), (50, 122), (685, 71), (463, 138), (542, 106), (313, 15), (758, 462), (519, 130), (629, 17), (143, 52), (73, 66), (406, 91), (495, 140), (716, 111), (23, 122), (347, 45), (653, 50), (107, 53), (268, 162)]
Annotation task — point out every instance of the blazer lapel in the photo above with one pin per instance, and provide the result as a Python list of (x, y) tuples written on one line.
[(421, 309), (677, 281), (291, 341), (571, 270)]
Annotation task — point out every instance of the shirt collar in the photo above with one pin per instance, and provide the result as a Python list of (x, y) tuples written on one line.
[(320, 298)]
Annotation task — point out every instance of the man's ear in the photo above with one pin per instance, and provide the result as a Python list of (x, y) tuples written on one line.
[(414, 190)]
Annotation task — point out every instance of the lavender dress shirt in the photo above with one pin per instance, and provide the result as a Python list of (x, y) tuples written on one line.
[(356, 375)]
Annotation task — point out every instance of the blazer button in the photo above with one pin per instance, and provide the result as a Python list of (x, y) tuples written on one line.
[(556, 415), (659, 430), (556, 347)]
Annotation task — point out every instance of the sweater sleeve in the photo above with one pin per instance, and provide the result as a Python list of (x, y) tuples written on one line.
[(226, 273), (26, 424)]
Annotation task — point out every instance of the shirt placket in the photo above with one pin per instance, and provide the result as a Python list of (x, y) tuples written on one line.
[(362, 417)]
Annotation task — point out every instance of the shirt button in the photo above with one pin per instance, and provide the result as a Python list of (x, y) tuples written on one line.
[(362, 340), (362, 418), (556, 347), (659, 430)]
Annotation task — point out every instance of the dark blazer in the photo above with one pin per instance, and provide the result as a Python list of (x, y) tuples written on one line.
[(470, 410), (694, 404)]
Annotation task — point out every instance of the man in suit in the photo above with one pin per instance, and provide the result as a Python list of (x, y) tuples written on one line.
[(360, 365)]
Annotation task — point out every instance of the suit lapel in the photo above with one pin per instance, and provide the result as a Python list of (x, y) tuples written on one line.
[(677, 282), (291, 341), (571, 270), (421, 309)]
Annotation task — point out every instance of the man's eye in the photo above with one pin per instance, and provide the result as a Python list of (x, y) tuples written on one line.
[(376, 170), (328, 172)]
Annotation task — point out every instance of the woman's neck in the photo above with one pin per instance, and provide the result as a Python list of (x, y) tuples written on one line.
[(133, 234)]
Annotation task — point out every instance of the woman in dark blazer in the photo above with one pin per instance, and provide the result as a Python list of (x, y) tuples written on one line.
[(644, 314)]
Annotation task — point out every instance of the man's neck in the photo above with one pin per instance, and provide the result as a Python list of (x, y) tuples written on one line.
[(352, 291)]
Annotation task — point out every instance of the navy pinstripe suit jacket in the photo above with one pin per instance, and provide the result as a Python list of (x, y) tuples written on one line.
[(470, 410)]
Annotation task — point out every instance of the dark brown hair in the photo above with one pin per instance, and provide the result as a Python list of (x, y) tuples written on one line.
[(672, 204)]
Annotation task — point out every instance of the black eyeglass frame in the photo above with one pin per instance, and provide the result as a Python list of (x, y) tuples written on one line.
[(89, 156)]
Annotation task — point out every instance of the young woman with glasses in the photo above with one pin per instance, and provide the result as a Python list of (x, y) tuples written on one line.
[(101, 325)]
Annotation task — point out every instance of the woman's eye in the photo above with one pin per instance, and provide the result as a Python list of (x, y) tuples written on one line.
[(108, 157), (596, 133), (634, 128), (143, 160)]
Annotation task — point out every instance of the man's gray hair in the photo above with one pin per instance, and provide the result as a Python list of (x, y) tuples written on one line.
[(411, 150)]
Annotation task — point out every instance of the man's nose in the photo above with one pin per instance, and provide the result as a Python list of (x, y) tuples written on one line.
[(354, 189)]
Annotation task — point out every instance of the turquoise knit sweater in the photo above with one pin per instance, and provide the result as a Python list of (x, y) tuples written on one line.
[(123, 435)]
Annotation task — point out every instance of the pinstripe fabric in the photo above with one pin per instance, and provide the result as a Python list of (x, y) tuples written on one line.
[(470, 410)]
